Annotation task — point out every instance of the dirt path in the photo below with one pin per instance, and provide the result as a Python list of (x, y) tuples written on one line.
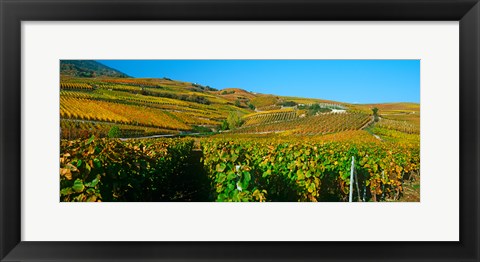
[(372, 120), (368, 123), (411, 189), (154, 136)]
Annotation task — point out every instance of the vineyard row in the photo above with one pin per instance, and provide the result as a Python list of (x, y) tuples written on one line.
[(320, 124)]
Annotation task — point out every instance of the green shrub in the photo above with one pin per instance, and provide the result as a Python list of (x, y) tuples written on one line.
[(114, 170), (234, 120), (114, 132)]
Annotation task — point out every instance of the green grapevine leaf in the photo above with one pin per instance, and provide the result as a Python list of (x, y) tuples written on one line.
[(78, 186), (221, 167)]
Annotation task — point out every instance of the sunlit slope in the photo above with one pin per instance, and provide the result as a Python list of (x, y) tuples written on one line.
[(160, 106), (389, 108), (146, 106)]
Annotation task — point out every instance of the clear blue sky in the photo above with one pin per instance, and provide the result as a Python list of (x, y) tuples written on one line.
[(353, 81)]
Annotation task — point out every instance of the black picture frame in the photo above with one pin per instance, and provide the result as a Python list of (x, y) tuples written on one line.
[(13, 12)]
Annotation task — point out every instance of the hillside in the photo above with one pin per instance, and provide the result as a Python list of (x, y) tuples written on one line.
[(88, 68), (134, 107), (158, 139)]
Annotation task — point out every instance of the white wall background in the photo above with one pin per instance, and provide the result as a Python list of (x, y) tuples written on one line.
[(435, 218)]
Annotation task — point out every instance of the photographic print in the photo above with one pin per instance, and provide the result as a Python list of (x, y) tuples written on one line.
[(239, 130)]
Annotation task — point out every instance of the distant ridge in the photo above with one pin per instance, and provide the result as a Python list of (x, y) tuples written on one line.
[(88, 68)]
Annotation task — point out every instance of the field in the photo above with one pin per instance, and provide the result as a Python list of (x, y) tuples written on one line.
[(142, 139)]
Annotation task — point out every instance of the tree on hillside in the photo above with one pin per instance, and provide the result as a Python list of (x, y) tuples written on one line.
[(237, 103), (289, 103), (313, 109), (224, 125), (375, 114), (234, 120), (316, 108), (114, 132)]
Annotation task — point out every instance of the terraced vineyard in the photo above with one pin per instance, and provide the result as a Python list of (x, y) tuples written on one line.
[(81, 86), (315, 125), (137, 107), (270, 117), (94, 110), (130, 81), (398, 125), (71, 129), (227, 145)]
